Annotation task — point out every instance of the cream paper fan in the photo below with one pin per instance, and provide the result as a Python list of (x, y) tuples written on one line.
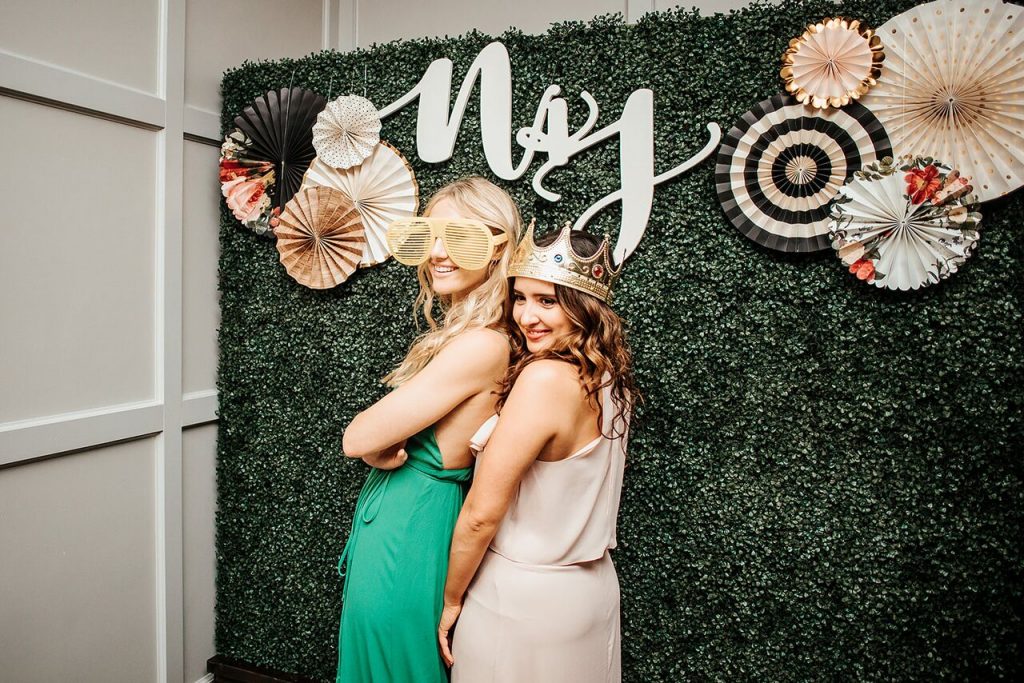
[(346, 131), (320, 237), (905, 224), (383, 189), (953, 88)]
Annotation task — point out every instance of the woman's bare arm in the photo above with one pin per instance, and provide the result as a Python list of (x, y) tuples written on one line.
[(531, 418), (467, 365)]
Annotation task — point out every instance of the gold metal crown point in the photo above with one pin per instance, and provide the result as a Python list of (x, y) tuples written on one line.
[(560, 264)]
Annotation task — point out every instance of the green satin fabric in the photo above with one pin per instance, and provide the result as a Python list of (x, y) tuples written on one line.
[(395, 563)]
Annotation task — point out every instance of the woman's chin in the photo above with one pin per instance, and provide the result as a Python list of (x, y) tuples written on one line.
[(456, 284), (537, 346), (445, 288)]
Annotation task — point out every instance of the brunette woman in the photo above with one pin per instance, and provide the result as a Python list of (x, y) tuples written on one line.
[(529, 569)]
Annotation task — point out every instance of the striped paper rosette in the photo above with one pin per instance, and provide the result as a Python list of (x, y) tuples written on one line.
[(782, 163)]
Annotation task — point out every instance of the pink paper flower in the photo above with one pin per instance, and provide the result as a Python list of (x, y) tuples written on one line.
[(226, 187), (245, 199), (956, 186)]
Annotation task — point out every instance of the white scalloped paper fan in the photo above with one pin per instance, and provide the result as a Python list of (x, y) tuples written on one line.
[(891, 241)]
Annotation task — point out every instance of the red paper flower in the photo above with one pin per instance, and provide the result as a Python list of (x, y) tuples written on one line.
[(922, 183), (863, 269), (231, 169)]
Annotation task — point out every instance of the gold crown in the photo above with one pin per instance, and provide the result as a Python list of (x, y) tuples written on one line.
[(560, 264)]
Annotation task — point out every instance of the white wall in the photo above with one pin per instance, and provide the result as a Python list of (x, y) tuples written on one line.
[(109, 124), (77, 594)]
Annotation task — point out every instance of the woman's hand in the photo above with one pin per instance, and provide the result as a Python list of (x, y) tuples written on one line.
[(449, 615), (388, 459)]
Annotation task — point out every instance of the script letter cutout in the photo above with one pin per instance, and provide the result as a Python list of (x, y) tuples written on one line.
[(437, 130)]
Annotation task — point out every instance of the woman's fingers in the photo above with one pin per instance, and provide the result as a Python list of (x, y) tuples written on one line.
[(449, 615), (446, 651), (397, 460)]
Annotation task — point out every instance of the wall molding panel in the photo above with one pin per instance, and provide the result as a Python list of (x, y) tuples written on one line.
[(202, 126), (199, 408), (165, 417), (55, 435), (37, 81), (170, 583)]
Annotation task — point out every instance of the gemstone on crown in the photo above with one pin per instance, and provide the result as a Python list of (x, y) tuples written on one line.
[(560, 264)]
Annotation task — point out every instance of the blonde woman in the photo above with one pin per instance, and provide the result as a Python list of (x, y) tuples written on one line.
[(417, 436)]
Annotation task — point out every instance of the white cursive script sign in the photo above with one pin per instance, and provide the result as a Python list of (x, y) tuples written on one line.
[(437, 129)]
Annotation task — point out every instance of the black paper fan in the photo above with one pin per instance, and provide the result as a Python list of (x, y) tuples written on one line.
[(280, 126), (782, 163)]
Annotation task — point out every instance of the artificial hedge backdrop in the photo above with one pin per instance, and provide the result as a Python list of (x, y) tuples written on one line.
[(826, 479)]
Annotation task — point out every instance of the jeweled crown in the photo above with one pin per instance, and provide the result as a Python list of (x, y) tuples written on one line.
[(560, 264)]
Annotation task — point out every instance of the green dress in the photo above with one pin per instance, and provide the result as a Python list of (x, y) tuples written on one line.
[(397, 562)]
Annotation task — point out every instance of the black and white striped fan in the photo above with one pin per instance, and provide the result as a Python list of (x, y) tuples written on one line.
[(782, 163)]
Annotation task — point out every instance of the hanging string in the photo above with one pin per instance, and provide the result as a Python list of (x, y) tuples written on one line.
[(330, 88), (364, 80)]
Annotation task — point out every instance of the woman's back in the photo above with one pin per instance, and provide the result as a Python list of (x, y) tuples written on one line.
[(544, 605), (453, 431)]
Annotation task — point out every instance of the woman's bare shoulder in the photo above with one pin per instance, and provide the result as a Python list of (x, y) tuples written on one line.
[(550, 376), (480, 346)]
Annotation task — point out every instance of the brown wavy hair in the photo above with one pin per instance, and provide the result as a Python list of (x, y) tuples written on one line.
[(596, 345)]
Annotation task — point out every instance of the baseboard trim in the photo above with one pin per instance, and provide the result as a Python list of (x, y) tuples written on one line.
[(230, 670)]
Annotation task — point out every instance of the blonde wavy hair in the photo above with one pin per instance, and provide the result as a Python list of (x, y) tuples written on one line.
[(484, 306)]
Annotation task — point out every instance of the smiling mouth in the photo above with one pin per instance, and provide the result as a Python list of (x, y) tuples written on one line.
[(534, 335), (443, 270)]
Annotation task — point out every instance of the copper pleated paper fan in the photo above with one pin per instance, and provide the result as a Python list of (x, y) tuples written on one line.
[(835, 61), (320, 237)]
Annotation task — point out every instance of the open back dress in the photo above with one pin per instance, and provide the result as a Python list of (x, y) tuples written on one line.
[(395, 563)]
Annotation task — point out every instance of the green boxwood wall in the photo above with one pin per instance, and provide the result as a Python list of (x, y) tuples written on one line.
[(826, 479)]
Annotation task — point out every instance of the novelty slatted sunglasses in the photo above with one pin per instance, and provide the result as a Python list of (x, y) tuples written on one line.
[(470, 243)]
